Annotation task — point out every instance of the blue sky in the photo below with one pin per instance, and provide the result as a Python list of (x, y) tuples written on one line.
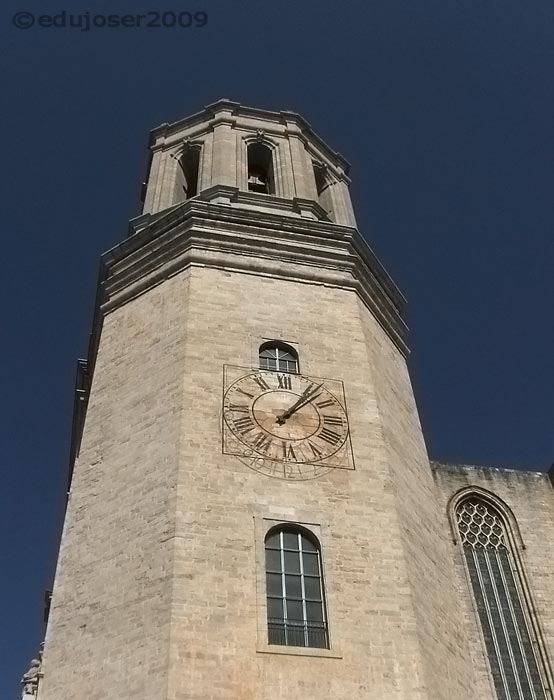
[(444, 109)]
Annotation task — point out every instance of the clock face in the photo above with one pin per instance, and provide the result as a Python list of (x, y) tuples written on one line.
[(287, 425)]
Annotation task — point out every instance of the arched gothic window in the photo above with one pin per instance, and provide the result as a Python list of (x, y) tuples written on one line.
[(295, 595), (496, 583), (278, 357), (260, 169)]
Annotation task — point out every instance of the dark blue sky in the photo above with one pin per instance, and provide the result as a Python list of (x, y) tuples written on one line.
[(445, 110)]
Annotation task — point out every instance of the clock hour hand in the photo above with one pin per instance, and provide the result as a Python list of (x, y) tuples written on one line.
[(307, 395)]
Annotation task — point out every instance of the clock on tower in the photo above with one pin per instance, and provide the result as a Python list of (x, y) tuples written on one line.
[(285, 425)]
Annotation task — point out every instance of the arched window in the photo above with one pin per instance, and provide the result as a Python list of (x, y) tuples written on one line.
[(278, 357), (260, 169), (323, 184), (320, 179), (295, 595), (497, 588), (186, 183)]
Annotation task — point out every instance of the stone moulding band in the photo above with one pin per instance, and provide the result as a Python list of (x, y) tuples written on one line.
[(199, 233)]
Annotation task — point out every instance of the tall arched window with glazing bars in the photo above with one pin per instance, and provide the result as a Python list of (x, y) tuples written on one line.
[(497, 584), (296, 614)]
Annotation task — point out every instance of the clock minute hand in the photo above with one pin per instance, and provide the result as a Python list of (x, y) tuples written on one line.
[(307, 395)]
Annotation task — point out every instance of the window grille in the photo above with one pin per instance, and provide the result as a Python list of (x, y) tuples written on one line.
[(493, 574), (296, 613), (278, 358)]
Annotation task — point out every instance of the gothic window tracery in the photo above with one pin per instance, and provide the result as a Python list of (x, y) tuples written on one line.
[(296, 613), (496, 584)]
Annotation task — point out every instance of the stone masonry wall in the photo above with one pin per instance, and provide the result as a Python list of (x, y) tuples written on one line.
[(109, 625), (160, 580), (443, 644), (379, 650)]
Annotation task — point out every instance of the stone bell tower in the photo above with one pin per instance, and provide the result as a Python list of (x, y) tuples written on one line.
[(251, 514)]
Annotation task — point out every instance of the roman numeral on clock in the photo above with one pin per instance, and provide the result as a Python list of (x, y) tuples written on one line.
[(284, 381), (262, 442), (332, 420), (238, 407), (325, 404), (250, 396), (329, 436), (315, 451), (288, 451), (260, 381), (244, 425)]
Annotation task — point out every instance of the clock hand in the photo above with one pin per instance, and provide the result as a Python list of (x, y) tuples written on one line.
[(301, 399), (300, 404), (307, 395)]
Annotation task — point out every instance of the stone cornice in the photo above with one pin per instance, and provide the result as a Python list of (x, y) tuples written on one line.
[(537, 472), (219, 235), (224, 194)]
